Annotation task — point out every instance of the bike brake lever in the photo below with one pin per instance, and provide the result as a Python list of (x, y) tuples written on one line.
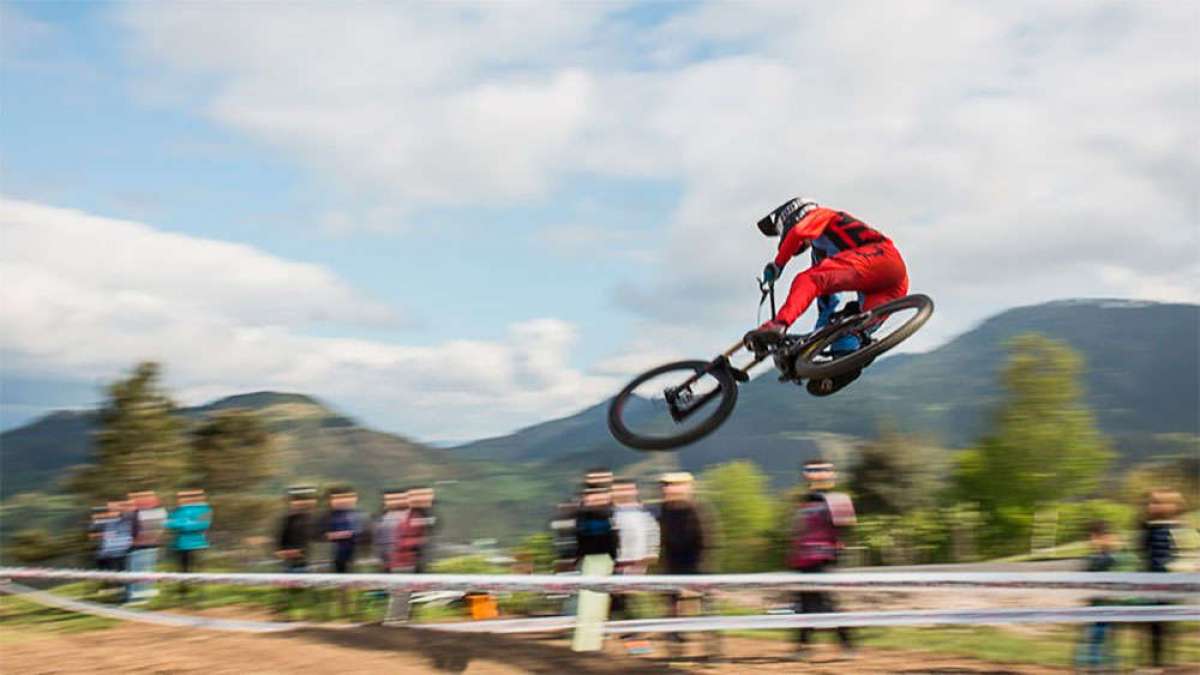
[(764, 287)]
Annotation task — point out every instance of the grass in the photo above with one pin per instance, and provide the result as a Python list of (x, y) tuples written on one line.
[(1074, 549), (1051, 646), (20, 619)]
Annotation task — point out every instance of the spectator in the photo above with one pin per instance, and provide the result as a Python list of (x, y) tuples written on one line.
[(190, 522), (421, 526), (295, 533), (596, 544), (821, 520), (391, 547), (148, 520), (685, 539), (395, 510), (1097, 651), (594, 532), (637, 530), (116, 536), (637, 548), (1158, 550), (563, 524), (343, 529), (296, 530), (113, 537), (682, 526)]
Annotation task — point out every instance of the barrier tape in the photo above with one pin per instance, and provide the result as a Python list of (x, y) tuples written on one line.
[(960, 617), (1143, 583), (156, 618), (1116, 614)]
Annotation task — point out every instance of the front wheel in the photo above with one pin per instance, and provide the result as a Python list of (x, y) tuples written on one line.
[(672, 405), (880, 329)]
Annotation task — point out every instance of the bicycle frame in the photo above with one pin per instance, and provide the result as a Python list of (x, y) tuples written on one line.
[(739, 374)]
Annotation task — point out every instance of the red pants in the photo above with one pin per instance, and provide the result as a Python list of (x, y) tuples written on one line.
[(877, 271)]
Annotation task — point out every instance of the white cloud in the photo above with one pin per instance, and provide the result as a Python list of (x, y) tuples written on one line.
[(150, 270), (424, 103), (1017, 152), (980, 136), (84, 297)]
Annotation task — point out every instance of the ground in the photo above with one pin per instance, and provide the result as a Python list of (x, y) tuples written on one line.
[(36, 639), (130, 648)]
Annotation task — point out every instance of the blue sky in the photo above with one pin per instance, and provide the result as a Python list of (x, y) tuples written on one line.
[(455, 220)]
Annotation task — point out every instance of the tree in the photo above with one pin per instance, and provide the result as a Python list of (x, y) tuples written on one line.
[(37, 546), (231, 452), (1044, 445), (139, 445), (232, 457), (896, 474), (744, 514)]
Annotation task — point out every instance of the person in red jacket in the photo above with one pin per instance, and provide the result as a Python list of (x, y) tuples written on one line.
[(823, 519), (847, 255)]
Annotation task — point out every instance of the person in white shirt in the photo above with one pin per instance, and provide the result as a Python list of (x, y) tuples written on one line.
[(637, 548), (637, 530)]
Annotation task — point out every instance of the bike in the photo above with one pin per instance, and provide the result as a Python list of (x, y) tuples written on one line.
[(681, 402)]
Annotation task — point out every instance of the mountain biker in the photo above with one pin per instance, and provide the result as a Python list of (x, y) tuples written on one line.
[(847, 255)]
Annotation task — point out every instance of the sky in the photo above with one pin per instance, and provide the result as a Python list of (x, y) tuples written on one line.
[(453, 220)]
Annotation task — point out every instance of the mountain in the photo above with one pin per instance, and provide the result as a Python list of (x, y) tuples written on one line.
[(316, 445), (1142, 381), (34, 457)]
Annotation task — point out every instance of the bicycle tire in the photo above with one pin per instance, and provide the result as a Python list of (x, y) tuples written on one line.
[(627, 437), (805, 368)]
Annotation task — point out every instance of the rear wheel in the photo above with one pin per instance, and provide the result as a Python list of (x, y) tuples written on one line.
[(654, 412), (884, 327)]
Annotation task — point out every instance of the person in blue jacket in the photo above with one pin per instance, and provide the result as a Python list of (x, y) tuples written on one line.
[(190, 522), (1157, 546), (343, 528)]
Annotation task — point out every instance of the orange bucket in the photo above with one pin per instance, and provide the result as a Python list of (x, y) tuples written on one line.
[(482, 606)]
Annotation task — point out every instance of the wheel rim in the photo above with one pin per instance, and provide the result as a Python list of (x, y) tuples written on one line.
[(885, 327), (640, 416)]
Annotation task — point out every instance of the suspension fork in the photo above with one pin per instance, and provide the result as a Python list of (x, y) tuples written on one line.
[(721, 362)]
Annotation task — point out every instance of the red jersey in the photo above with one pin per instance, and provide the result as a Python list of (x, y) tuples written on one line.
[(829, 232)]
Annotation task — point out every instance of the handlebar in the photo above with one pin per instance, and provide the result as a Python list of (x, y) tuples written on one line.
[(767, 288)]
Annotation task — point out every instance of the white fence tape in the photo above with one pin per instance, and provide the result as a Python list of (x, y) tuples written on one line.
[(959, 617), (1142, 583), (156, 618), (1120, 582), (1116, 614)]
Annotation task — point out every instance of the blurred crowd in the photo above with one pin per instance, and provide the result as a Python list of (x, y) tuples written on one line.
[(1152, 550), (128, 534), (606, 528)]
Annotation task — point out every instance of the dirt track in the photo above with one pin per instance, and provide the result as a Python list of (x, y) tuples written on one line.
[(151, 649)]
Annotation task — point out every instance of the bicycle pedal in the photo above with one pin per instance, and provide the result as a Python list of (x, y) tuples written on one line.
[(739, 374)]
